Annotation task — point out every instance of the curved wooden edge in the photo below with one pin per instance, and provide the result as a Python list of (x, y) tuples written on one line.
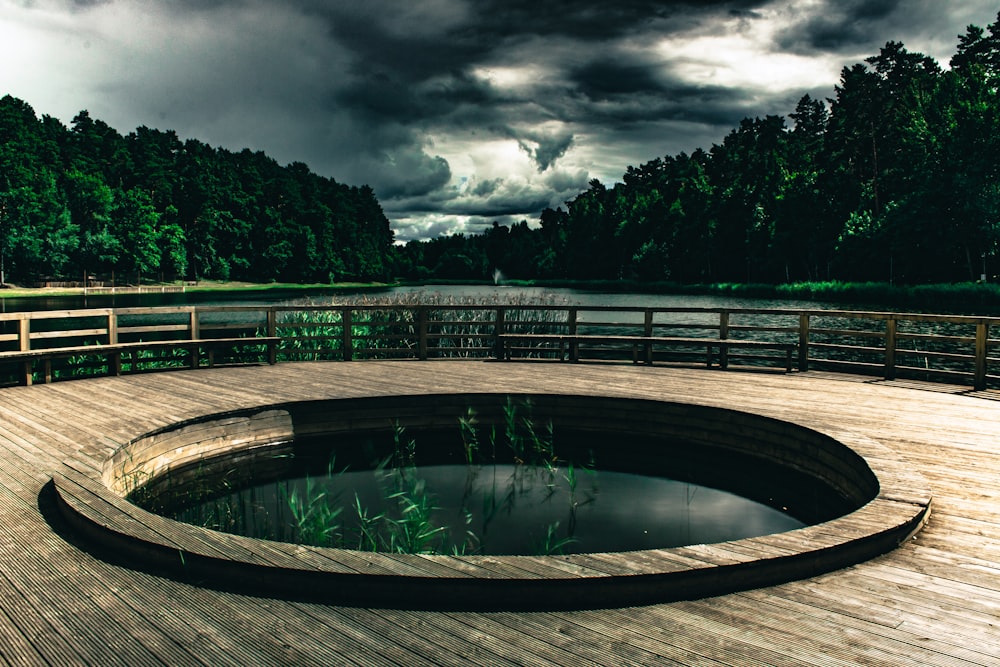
[(511, 583), (338, 576)]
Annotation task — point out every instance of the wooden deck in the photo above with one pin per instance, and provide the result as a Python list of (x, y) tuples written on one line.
[(933, 601)]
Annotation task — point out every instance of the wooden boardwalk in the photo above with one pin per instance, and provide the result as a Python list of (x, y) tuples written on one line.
[(933, 601)]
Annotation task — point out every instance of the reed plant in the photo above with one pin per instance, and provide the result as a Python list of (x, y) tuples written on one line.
[(310, 334), (552, 544), (316, 515), (91, 365), (388, 326)]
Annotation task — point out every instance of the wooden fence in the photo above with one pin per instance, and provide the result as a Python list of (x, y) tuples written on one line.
[(47, 345)]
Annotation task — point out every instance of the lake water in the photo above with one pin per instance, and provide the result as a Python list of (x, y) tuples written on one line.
[(479, 292)]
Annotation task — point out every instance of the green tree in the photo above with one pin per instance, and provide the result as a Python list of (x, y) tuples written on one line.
[(747, 172), (590, 234), (173, 246), (806, 224), (967, 179), (90, 201), (136, 226)]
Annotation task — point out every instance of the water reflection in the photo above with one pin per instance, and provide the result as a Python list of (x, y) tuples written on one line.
[(508, 509)]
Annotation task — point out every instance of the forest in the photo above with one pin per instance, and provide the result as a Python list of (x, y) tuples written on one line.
[(86, 201), (894, 179)]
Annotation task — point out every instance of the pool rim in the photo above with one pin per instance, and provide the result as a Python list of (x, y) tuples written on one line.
[(151, 542)]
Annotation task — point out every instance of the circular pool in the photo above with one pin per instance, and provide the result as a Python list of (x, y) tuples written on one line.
[(856, 497)]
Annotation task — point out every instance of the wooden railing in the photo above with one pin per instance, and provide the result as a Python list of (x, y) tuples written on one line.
[(58, 344)]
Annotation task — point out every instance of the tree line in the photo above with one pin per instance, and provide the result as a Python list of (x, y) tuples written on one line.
[(84, 200), (896, 178)]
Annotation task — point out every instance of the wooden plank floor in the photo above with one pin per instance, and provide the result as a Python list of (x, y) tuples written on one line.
[(933, 601)]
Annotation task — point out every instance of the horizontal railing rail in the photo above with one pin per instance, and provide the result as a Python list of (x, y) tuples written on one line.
[(953, 348)]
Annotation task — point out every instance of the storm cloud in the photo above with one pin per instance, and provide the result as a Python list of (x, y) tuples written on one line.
[(457, 112)]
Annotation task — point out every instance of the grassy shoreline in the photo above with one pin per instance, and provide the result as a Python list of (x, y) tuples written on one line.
[(204, 286), (948, 296)]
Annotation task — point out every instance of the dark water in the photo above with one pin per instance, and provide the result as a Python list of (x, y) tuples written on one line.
[(496, 509), (479, 293), (484, 293)]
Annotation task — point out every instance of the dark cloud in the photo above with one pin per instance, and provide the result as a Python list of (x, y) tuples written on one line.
[(487, 187), (596, 20), (543, 147), (408, 172), (380, 94), (670, 101), (609, 79), (481, 203), (420, 75), (409, 73), (846, 25), (427, 230), (502, 201), (414, 42), (565, 182), (507, 204)]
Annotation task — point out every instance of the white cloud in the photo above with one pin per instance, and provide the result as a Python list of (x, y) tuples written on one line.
[(739, 62), (519, 77), (49, 59), (741, 53)]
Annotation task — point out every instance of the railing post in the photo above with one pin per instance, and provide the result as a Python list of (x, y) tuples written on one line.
[(112, 328), (24, 333), (498, 330), (422, 333), (890, 349), (115, 362), (803, 342), (24, 344), (647, 331), (272, 332), (194, 331), (194, 327), (723, 335), (345, 320), (982, 336), (574, 347)]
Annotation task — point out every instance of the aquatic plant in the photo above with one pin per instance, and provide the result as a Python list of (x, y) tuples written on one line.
[(315, 515), (368, 527), (552, 543), (414, 531)]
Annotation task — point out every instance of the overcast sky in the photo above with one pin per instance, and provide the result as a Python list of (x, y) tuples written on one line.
[(457, 112)]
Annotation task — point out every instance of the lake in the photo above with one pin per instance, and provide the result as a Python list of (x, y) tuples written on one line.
[(484, 292)]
